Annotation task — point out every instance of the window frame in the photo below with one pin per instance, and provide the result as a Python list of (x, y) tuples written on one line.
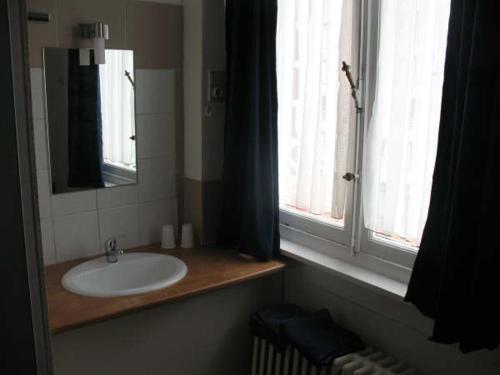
[(366, 242), (302, 226), (355, 241)]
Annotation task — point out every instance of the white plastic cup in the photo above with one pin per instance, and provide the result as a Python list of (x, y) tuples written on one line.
[(187, 241), (168, 237)]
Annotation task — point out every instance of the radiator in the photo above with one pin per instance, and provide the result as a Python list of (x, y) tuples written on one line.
[(266, 361)]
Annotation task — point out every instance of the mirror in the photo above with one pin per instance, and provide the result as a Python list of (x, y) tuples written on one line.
[(91, 119)]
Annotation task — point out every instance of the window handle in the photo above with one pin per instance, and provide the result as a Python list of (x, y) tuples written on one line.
[(354, 90), (349, 176), (129, 77)]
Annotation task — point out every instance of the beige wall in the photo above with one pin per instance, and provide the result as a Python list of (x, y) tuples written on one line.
[(204, 136), (153, 30), (203, 335)]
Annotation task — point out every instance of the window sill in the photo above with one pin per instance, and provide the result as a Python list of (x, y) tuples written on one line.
[(355, 273)]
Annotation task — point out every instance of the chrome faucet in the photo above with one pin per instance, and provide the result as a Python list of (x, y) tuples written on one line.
[(111, 251)]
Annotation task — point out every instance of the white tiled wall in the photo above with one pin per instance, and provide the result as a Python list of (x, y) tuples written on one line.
[(75, 225)]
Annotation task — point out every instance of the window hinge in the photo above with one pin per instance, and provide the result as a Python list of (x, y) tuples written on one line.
[(349, 176)]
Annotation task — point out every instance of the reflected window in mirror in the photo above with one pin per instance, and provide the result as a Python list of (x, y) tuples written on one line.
[(117, 110)]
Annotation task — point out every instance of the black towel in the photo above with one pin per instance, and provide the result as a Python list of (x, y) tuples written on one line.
[(318, 338), (269, 323), (315, 335)]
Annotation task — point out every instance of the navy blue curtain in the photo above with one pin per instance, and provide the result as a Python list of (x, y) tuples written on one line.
[(456, 276), (250, 212), (84, 123)]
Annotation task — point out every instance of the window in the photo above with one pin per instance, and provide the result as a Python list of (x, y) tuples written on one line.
[(361, 180), (315, 115)]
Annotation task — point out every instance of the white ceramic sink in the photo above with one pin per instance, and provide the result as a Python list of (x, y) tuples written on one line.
[(134, 273)]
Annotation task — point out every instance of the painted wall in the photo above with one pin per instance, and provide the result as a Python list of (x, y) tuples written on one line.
[(77, 224), (202, 335), (385, 322), (204, 40)]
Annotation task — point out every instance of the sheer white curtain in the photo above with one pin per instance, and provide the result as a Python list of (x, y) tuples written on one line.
[(314, 109), (400, 147), (117, 108)]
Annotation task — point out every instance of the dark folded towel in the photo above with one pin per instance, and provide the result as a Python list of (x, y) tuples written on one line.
[(315, 335), (318, 338), (269, 323)]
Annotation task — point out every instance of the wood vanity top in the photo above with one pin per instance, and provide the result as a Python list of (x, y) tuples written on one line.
[(208, 269)]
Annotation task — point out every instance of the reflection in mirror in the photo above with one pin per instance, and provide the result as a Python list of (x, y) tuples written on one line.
[(91, 119)]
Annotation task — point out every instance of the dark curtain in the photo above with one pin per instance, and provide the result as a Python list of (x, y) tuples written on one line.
[(250, 212), (456, 276), (84, 123)]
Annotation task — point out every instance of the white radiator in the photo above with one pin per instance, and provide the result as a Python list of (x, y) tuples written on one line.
[(266, 361)]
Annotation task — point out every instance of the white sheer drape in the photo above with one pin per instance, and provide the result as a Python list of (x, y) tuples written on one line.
[(117, 108), (314, 109), (400, 146)]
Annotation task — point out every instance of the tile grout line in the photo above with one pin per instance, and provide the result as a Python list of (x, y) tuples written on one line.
[(97, 209)]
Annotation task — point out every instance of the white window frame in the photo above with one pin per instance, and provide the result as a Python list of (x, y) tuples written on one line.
[(299, 227), (366, 242), (354, 242)]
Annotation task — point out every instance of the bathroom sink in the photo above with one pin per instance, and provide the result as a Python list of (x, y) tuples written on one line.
[(134, 273)]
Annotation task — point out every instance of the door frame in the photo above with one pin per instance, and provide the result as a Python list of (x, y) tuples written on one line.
[(27, 345)]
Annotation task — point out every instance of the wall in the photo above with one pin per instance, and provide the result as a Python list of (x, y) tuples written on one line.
[(202, 335), (384, 322), (204, 38), (77, 224)]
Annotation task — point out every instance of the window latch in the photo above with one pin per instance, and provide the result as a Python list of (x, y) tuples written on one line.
[(349, 176)]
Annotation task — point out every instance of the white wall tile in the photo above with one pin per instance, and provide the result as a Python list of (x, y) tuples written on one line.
[(117, 196), (44, 191), (156, 179), (151, 218), (70, 203), (122, 223), (48, 246), (76, 236), (37, 93), (155, 91), (155, 135)]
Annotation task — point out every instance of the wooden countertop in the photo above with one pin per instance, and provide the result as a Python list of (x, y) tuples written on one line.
[(208, 269)]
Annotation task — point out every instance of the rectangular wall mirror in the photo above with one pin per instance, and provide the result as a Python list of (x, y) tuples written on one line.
[(91, 119)]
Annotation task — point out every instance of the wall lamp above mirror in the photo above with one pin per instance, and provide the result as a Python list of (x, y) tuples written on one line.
[(91, 119), (98, 32)]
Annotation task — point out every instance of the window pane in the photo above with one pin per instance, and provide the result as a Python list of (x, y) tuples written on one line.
[(315, 112), (400, 146)]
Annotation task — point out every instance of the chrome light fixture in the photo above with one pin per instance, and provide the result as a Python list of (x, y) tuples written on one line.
[(99, 33)]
